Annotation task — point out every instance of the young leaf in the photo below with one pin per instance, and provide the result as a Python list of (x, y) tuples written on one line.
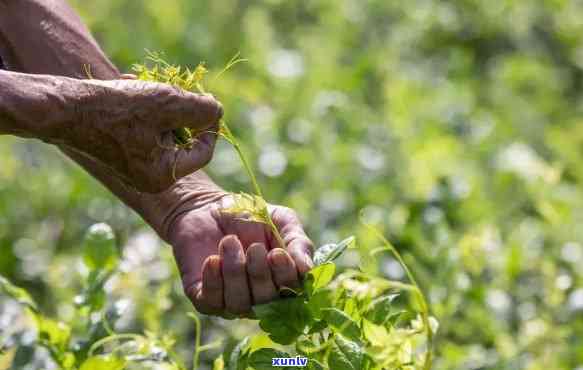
[(319, 277), (377, 335), (100, 252), (261, 359), (345, 355), (237, 359), (57, 334), (103, 363), (341, 323), (379, 310), (18, 294), (219, 363), (284, 320), (329, 252)]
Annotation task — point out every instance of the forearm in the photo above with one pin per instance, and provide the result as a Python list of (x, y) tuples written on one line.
[(35, 106), (63, 51)]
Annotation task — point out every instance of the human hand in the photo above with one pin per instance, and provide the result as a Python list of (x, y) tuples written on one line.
[(127, 126), (229, 264)]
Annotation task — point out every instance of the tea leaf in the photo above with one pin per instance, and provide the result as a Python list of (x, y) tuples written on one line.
[(108, 362), (330, 252), (54, 333), (18, 294), (379, 310), (284, 331), (219, 363), (340, 322), (238, 358), (314, 365), (99, 249), (261, 359), (345, 355), (319, 277), (377, 335)]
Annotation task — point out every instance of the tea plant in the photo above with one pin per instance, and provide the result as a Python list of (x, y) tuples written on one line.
[(341, 320)]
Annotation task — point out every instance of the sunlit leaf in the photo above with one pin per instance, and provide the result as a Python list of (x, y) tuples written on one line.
[(379, 310), (345, 355), (238, 358), (319, 277), (103, 363), (341, 323), (99, 248), (329, 252), (16, 293)]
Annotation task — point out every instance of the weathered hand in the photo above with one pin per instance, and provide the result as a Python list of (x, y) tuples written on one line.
[(127, 125), (229, 264)]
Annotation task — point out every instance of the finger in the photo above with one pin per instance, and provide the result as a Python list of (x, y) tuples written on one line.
[(300, 250), (247, 231), (186, 109), (236, 289), (128, 76), (283, 269), (195, 158), (209, 297), (262, 287), (298, 245)]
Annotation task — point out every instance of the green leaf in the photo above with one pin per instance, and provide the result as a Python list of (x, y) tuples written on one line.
[(238, 358), (103, 363), (379, 310), (284, 320), (319, 277), (18, 294), (329, 252), (55, 333), (341, 323), (318, 326), (320, 300), (377, 335), (314, 365), (99, 249), (345, 355), (261, 359), (219, 363)]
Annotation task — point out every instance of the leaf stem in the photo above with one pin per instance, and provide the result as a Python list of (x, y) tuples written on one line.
[(228, 135), (112, 338), (197, 349), (417, 290)]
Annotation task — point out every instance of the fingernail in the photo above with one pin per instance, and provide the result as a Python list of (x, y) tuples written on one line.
[(220, 111), (308, 262), (215, 265), (278, 257)]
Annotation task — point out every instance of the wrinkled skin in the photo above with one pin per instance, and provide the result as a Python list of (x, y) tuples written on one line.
[(126, 125), (229, 264), (226, 264)]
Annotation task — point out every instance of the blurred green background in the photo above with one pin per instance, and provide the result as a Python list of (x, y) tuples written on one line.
[(456, 125)]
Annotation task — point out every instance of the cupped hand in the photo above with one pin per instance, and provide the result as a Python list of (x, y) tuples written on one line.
[(229, 264), (127, 126)]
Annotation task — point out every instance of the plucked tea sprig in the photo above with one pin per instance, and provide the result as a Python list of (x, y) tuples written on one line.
[(156, 69)]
